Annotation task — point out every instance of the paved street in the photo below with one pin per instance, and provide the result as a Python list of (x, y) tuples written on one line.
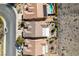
[(10, 19)]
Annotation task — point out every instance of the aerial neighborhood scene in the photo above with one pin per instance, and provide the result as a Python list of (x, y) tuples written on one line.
[(39, 29)]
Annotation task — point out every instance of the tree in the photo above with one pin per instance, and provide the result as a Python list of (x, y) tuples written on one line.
[(20, 41)]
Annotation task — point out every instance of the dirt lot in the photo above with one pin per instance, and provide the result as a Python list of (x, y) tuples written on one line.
[(68, 29)]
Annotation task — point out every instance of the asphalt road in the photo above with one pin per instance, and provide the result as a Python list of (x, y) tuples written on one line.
[(9, 15)]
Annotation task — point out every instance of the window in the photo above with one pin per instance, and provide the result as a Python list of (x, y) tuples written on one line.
[(45, 32)]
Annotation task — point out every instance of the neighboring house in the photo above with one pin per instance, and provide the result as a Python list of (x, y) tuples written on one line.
[(36, 28)]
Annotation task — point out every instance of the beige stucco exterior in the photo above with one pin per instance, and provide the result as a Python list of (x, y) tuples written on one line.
[(35, 20), (33, 11), (34, 47)]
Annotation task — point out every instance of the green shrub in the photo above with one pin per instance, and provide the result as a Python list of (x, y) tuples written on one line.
[(20, 41)]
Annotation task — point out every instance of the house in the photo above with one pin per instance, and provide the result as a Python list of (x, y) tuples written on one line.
[(37, 18)]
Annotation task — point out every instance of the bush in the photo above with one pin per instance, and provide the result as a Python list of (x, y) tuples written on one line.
[(1, 23), (20, 41)]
